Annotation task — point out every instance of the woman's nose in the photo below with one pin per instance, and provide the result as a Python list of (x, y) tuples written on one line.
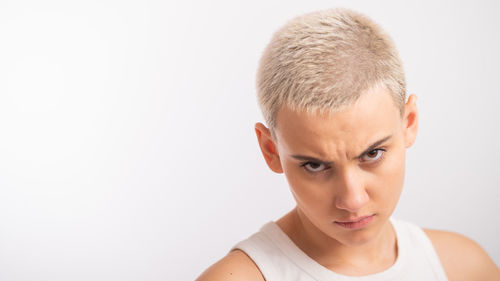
[(352, 195)]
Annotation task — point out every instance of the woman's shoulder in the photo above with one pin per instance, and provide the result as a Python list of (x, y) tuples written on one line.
[(234, 266), (461, 257)]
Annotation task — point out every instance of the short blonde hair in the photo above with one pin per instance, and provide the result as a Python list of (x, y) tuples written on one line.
[(323, 61)]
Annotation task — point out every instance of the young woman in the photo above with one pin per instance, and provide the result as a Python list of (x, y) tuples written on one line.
[(332, 90)]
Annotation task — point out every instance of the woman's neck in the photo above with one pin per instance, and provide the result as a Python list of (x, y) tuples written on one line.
[(375, 256)]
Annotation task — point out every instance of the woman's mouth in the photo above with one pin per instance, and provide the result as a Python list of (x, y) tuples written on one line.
[(356, 222)]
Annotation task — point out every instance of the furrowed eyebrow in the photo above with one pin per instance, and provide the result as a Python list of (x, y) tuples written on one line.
[(316, 160), (312, 159), (375, 144)]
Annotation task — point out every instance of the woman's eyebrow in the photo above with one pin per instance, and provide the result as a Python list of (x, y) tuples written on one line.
[(312, 159), (375, 144), (316, 160)]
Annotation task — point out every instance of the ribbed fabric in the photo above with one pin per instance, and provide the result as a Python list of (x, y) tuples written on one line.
[(279, 259)]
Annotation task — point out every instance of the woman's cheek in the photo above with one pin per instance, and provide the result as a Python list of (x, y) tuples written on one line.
[(391, 176), (308, 191)]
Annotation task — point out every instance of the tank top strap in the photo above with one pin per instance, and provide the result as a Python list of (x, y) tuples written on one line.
[(423, 250), (270, 259)]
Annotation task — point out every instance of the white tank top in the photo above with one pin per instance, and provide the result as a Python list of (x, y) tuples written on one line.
[(279, 259)]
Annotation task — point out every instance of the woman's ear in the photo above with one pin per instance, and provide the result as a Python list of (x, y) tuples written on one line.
[(410, 121), (268, 148)]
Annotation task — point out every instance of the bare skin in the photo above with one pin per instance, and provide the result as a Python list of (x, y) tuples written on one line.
[(347, 165), (475, 265)]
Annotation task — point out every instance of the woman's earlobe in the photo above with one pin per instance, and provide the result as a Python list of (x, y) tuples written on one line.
[(268, 147)]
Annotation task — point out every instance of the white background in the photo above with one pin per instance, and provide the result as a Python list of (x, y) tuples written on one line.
[(127, 149)]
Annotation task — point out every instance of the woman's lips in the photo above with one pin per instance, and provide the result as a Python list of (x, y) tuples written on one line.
[(356, 223)]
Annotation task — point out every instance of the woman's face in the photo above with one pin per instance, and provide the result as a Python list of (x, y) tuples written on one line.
[(347, 165)]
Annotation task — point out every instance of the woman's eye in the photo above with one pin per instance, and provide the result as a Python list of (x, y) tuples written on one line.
[(314, 167), (373, 155)]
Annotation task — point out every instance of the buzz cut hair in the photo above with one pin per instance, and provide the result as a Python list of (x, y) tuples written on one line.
[(324, 61)]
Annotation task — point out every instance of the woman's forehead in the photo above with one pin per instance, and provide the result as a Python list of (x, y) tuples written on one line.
[(372, 117)]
